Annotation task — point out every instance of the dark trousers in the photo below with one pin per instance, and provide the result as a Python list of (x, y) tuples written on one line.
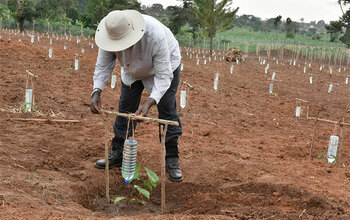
[(129, 102)]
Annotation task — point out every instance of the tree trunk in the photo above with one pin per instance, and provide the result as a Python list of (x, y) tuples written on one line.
[(20, 24), (212, 27)]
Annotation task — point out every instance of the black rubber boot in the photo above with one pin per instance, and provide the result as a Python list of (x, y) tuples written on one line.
[(173, 168), (115, 158)]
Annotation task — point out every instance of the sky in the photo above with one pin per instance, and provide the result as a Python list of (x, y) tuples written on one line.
[(310, 10)]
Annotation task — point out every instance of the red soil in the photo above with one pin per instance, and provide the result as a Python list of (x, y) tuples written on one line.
[(243, 153)]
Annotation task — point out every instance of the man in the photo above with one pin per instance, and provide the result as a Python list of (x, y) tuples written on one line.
[(150, 57)]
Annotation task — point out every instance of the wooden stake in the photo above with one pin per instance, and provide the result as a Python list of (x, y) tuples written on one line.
[(131, 116), (313, 139), (329, 121), (106, 158), (163, 170), (45, 120), (341, 142), (135, 117)]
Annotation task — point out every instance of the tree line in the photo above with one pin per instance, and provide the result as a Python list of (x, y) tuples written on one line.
[(199, 18)]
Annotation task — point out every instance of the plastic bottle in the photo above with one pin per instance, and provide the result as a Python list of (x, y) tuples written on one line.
[(32, 39), (273, 76), (183, 99), (50, 52), (182, 67), (113, 81), (347, 80), (271, 88), (330, 88), (310, 79), (231, 69), (216, 80), (332, 148), (28, 99), (298, 111), (76, 64), (129, 160)]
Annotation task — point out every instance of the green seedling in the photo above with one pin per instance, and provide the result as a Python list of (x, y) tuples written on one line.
[(320, 155), (151, 183)]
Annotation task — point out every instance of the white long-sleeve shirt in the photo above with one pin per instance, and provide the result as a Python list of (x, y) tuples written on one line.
[(152, 60)]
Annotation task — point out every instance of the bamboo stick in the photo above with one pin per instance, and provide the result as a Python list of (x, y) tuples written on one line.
[(163, 171), (301, 100), (106, 159), (189, 85), (313, 139), (329, 121), (31, 74), (135, 117), (341, 143), (45, 120)]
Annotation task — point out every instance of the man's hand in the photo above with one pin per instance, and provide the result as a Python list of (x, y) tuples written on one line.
[(143, 109), (95, 104)]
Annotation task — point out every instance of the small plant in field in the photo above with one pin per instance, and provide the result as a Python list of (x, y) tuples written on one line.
[(320, 155), (151, 183), (324, 154), (24, 107)]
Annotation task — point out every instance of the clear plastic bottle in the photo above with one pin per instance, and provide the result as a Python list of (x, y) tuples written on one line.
[(347, 80), (28, 100), (271, 88), (129, 160), (183, 99), (298, 111), (310, 79), (330, 88), (113, 81), (273, 76), (216, 80), (76, 64), (332, 149), (50, 52)]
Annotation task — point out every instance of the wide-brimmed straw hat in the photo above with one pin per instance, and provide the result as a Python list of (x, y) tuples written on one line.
[(120, 30)]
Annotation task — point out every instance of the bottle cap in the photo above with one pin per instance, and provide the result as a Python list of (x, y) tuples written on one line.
[(127, 181)]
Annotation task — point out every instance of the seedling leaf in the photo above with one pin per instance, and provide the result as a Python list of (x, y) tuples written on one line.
[(142, 191), (321, 155), (119, 198), (152, 177), (148, 184), (139, 201), (137, 172)]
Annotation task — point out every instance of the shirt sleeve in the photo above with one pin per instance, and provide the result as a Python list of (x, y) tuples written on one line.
[(104, 66), (163, 73)]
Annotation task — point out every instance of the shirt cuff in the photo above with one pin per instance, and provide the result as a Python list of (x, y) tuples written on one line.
[(156, 96), (95, 90)]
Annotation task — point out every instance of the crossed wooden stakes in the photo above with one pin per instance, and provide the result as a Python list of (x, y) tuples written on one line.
[(134, 117), (317, 119)]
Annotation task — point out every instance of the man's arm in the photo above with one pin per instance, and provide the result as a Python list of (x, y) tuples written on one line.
[(103, 69), (162, 78)]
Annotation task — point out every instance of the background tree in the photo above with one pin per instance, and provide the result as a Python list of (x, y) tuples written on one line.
[(214, 16), (22, 10), (291, 28), (276, 22), (334, 29)]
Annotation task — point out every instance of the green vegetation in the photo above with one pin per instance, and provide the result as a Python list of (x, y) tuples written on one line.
[(214, 16), (193, 22), (151, 183)]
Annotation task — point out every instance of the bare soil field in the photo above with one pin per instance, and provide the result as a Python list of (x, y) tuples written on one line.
[(243, 153)]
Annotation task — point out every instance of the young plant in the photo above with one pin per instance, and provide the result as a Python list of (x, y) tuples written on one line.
[(151, 183)]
